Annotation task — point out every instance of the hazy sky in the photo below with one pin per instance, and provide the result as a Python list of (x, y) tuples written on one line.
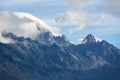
[(75, 18)]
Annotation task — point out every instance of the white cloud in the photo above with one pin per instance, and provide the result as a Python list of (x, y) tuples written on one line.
[(77, 4), (112, 7), (77, 16), (23, 24), (79, 19), (71, 17), (51, 22)]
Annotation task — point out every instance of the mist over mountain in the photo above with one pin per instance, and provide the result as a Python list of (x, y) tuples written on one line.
[(54, 57), (23, 24)]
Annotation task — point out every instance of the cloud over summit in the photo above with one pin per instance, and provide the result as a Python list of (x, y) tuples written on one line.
[(23, 24)]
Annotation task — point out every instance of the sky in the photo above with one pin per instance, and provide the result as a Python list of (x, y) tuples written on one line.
[(75, 18)]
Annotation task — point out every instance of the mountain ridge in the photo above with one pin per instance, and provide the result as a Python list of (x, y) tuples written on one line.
[(53, 57), (30, 59)]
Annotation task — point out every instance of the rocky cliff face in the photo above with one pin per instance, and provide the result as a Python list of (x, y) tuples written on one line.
[(55, 58)]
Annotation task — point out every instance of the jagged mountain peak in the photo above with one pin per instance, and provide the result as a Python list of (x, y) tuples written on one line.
[(90, 36), (89, 39), (106, 44), (29, 57), (64, 38), (48, 38)]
